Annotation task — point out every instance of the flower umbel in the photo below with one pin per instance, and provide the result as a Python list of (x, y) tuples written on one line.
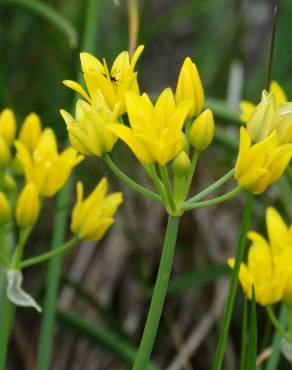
[(91, 217), (156, 133), (114, 83), (45, 167)]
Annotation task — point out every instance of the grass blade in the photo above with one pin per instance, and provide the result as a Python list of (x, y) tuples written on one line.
[(108, 340), (252, 351), (244, 335), (51, 15)]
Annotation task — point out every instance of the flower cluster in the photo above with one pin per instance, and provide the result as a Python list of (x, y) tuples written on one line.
[(269, 264), (265, 147), (31, 159)]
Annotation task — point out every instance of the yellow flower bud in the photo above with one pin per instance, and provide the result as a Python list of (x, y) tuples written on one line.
[(202, 131), (9, 183), (7, 125), (30, 131), (189, 87), (259, 124), (27, 206), (181, 165), (5, 209), (5, 155), (91, 217)]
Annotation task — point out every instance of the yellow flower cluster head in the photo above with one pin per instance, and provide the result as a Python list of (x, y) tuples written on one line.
[(112, 83), (269, 265), (259, 165), (91, 217), (88, 132), (45, 167), (155, 132), (274, 112)]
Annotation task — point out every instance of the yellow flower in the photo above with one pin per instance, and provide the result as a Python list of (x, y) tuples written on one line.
[(156, 133), (27, 206), (280, 238), (262, 271), (91, 217), (269, 266), (274, 112), (30, 131), (45, 167), (202, 131), (261, 164), (189, 87), (114, 83), (7, 125), (247, 107), (5, 155), (88, 132), (5, 210)]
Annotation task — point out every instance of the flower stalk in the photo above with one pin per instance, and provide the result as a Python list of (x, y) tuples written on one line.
[(158, 296)]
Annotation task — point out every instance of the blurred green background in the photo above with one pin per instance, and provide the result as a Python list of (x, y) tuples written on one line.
[(224, 38)]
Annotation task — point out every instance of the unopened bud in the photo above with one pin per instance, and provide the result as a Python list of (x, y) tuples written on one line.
[(27, 206), (7, 125), (259, 124), (181, 165), (202, 131)]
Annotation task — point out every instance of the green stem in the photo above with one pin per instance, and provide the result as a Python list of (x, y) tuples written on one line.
[(277, 324), (94, 10), (156, 181), (6, 320), (219, 355), (18, 253), (191, 173), (45, 256), (158, 296), (211, 202), (167, 187), (212, 187), (122, 176)]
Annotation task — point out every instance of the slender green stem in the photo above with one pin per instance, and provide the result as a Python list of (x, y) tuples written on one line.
[(211, 202), (276, 343), (219, 355), (122, 176), (94, 8), (157, 182), (166, 183), (45, 256), (18, 253), (191, 173), (277, 324), (212, 187), (158, 296)]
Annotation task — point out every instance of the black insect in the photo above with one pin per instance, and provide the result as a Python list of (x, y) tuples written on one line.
[(112, 78)]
